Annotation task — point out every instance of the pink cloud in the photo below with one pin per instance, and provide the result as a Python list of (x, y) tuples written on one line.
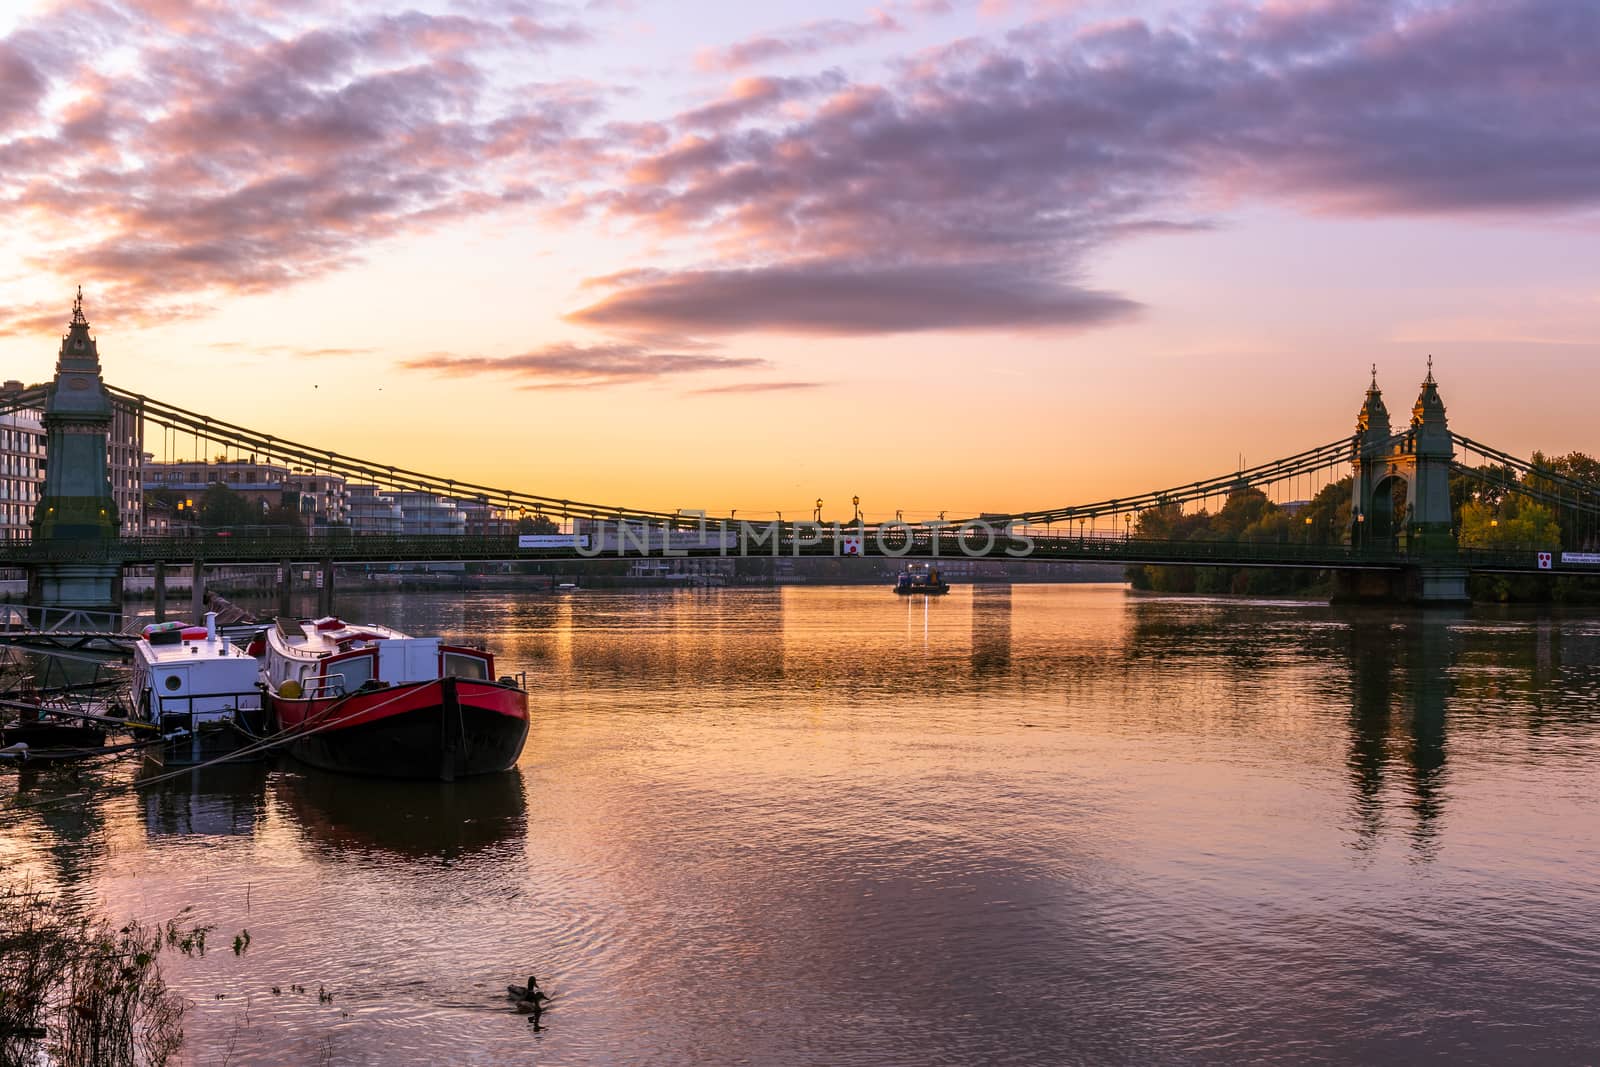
[(798, 42)]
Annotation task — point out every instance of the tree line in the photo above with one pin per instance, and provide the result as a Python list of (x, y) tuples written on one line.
[(1487, 509)]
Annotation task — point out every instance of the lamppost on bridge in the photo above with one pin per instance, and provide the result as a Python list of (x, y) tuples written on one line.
[(819, 509), (1127, 527), (855, 502)]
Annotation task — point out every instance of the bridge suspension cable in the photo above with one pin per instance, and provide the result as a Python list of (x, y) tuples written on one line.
[(31, 397), (1499, 480), (1526, 468), (1322, 457), (206, 428)]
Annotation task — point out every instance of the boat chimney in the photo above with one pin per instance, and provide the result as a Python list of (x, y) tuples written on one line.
[(211, 626)]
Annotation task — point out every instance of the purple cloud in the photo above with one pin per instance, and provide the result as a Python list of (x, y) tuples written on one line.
[(964, 192), (826, 297), (244, 150), (798, 42), (572, 366), (751, 97), (237, 155)]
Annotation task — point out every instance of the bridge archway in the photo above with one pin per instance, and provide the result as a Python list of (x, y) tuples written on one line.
[(1389, 508)]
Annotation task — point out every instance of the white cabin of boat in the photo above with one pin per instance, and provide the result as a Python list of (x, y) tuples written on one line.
[(329, 657), (185, 670)]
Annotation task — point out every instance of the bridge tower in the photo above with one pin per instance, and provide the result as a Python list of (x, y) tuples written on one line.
[(76, 508), (1369, 454), (1430, 528), (1412, 466), (1416, 462)]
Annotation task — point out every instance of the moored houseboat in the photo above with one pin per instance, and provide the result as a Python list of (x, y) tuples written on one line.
[(372, 700), (199, 690)]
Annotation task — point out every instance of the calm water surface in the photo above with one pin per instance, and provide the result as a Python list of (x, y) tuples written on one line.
[(1029, 825)]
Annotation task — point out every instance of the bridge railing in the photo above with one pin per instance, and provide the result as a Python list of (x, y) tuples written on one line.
[(33, 619), (913, 542)]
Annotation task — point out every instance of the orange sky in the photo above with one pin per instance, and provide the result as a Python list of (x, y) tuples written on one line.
[(382, 236)]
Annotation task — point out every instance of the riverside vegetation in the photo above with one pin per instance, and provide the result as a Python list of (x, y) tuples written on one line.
[(1487, 515)]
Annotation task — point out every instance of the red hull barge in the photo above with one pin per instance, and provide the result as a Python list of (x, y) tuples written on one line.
[(350, 700)]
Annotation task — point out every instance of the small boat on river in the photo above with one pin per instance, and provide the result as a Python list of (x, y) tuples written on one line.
[(920, 580), (200, 691), (372, 700)]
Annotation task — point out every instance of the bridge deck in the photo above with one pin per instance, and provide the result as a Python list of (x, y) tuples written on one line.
[(373, 548)]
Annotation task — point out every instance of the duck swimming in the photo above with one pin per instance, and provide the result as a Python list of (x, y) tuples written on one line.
[(532, 1005), (523, 992)]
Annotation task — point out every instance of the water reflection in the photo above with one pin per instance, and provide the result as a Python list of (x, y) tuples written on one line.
[(55, 811), (1400, 685), (1029, 825), (439, 820), (224, 801), (991, 630)]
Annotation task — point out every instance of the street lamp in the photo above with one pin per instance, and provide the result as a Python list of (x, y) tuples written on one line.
[(855, 502), (819, 509)]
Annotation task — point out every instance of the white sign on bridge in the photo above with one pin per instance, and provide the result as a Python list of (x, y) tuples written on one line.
[(1580, 557), (552, 540), (1544, 561)]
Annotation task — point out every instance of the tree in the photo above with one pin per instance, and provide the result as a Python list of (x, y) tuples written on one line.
[(1517, 523), (221, 506), (537, 524)]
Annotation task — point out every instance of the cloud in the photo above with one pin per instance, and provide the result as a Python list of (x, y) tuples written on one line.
[(756, 387), (754, 96), (572, 366), (247, 154), (797, 42), (246, 148), (973, 188), (840, 298)]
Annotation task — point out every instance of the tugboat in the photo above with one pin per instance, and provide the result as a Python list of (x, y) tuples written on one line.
[(371, 700), (200, 691), (920, 579)]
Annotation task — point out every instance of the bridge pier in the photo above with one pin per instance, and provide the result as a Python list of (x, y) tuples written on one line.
[(160, 585), (1425, 585), (87, 586), (197, 592), (286, 589), (325, 590)]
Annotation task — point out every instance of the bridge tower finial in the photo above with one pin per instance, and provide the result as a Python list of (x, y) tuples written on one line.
[(77, 309), (1430, 370), (1374, 376)]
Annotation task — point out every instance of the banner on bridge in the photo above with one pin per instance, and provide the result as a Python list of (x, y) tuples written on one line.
[(1578, 557), (552, 540)]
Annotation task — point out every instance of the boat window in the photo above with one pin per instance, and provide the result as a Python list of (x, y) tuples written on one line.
[(355, 671), (173, 683), (461, 666)]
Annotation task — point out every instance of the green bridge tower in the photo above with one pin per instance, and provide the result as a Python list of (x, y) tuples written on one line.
[(1413, 466), (76, 508)]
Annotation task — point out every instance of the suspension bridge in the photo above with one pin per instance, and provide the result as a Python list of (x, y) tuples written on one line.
[(1401, 541)]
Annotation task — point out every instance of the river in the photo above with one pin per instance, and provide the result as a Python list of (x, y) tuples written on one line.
[(826, 825)]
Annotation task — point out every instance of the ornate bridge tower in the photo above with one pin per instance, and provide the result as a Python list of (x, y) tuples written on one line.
[(76, 508), (1400, 498), (1402, 481)]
